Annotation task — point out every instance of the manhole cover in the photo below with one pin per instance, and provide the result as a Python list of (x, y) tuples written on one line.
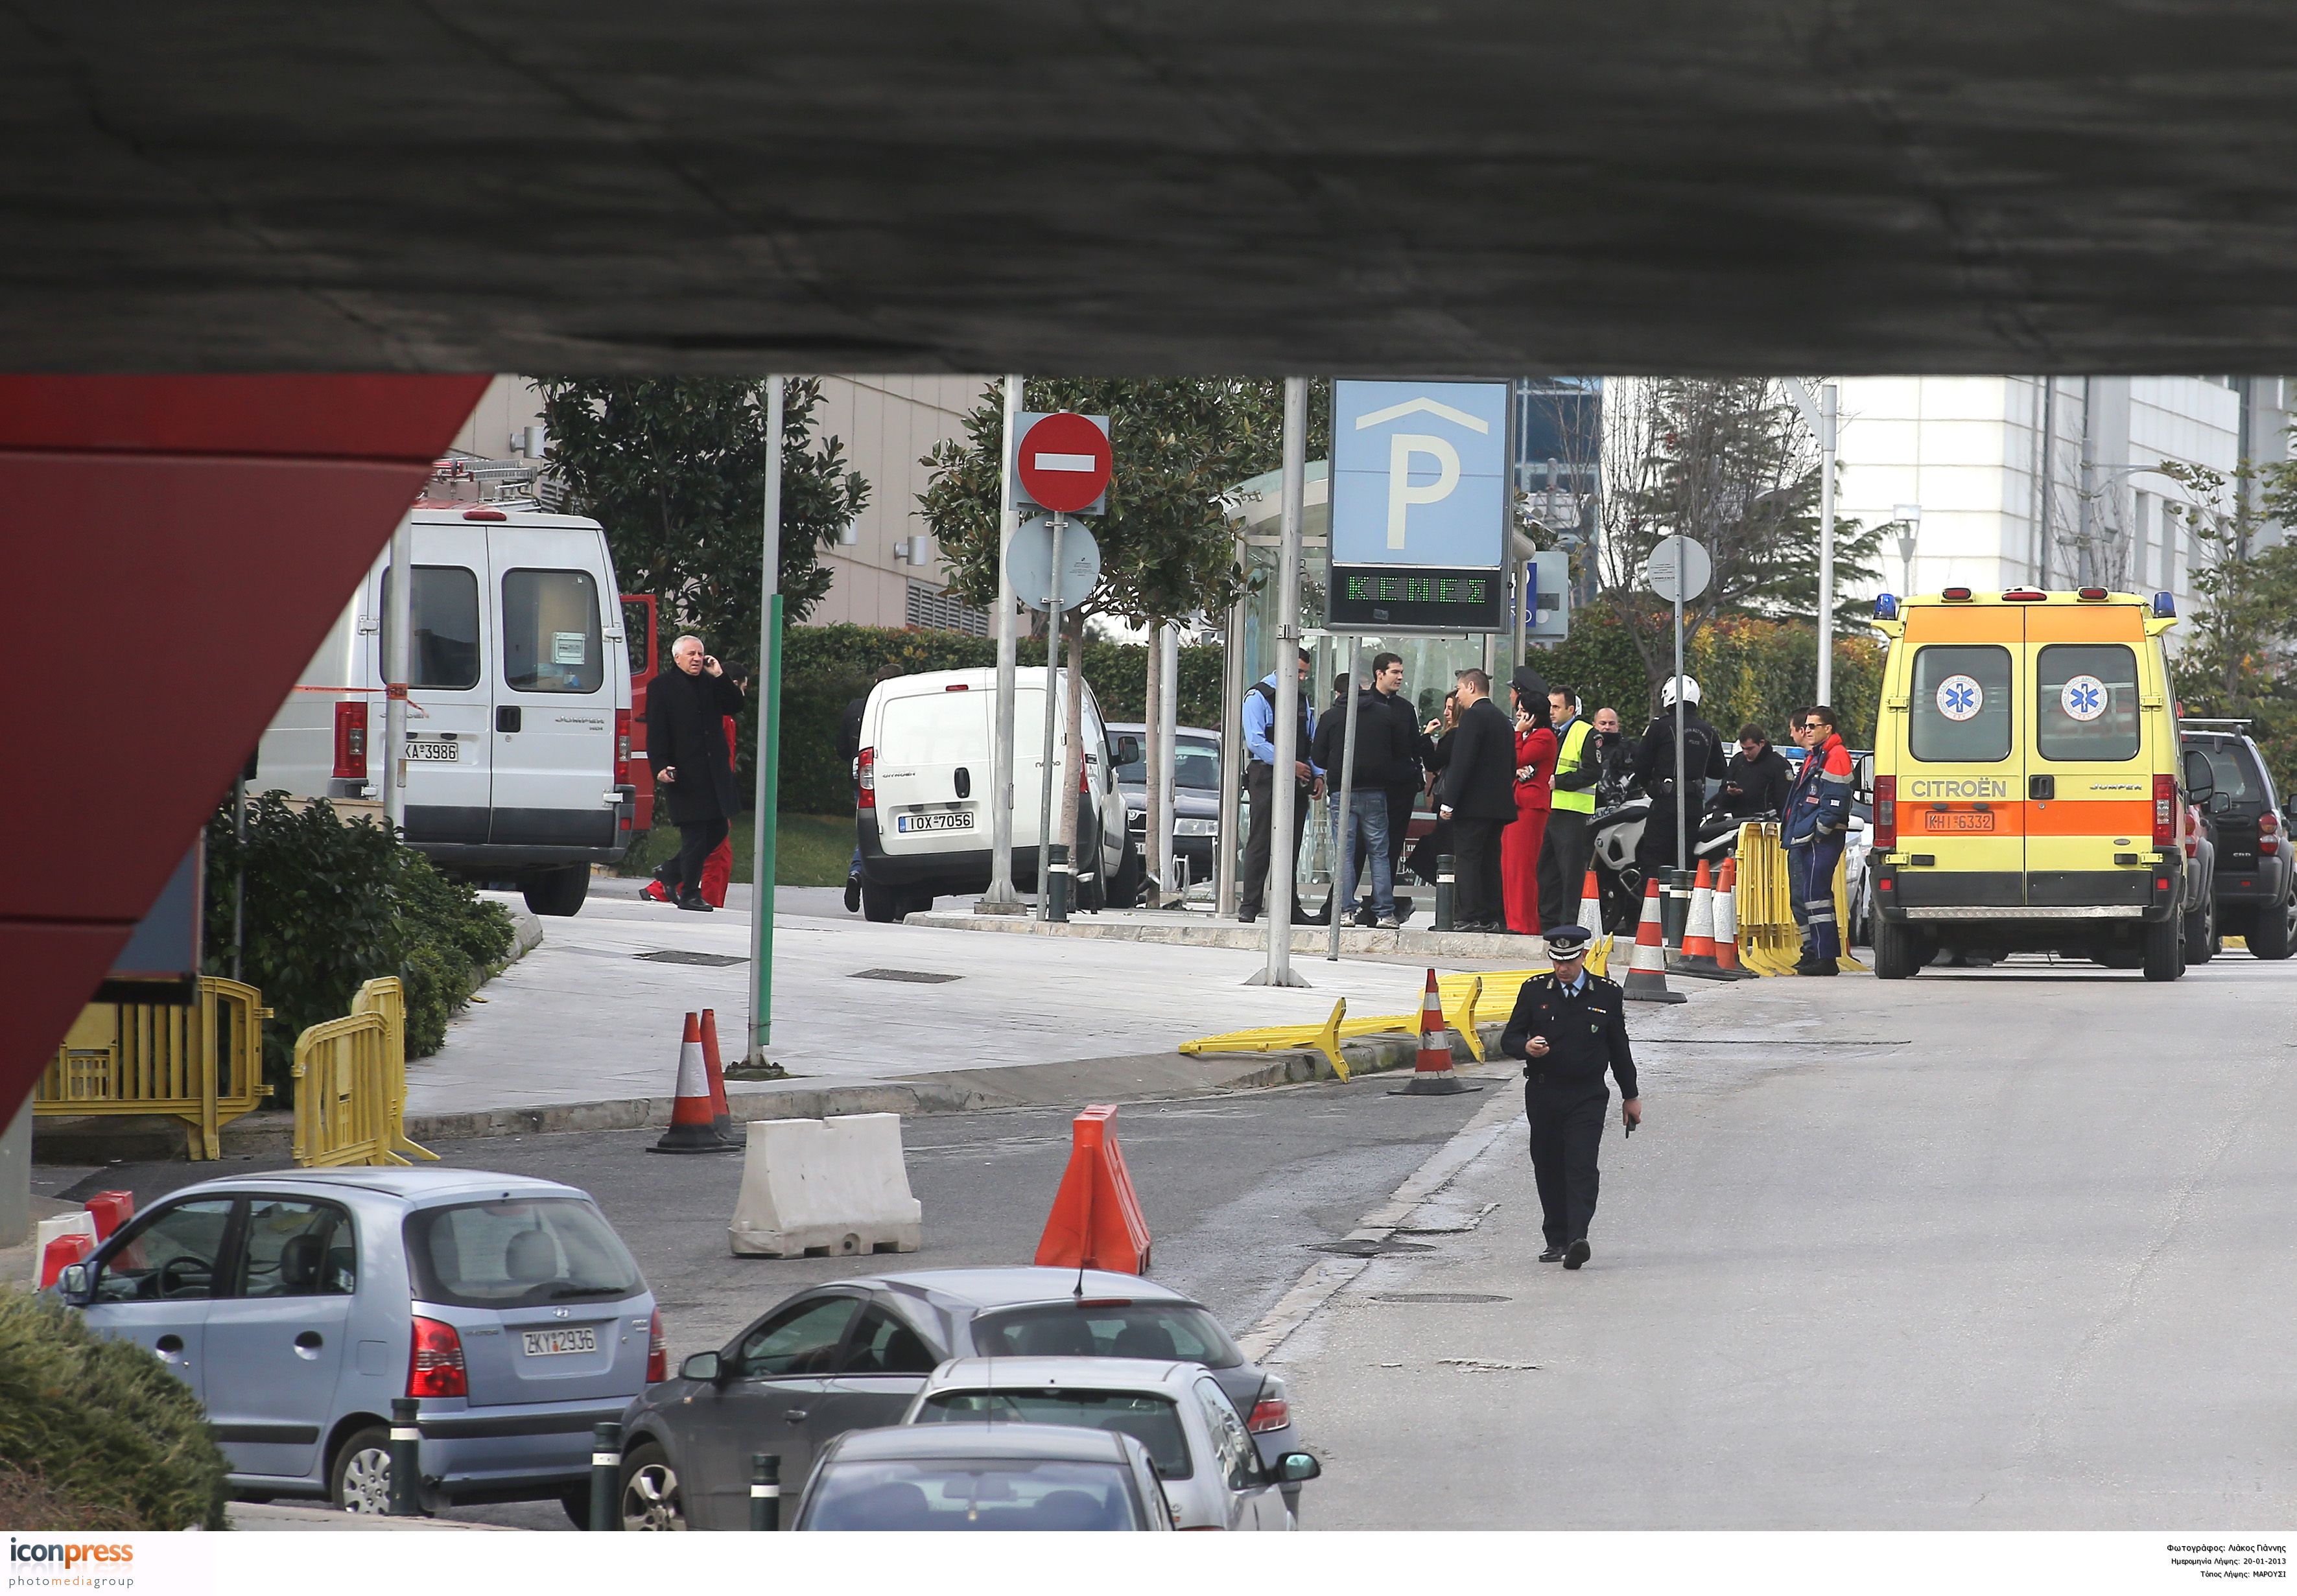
[(680, 956), (1368, 1249), (923, 977), (1440, 1297)]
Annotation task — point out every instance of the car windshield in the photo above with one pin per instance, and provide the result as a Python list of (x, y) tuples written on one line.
[(517, 1254), (1196, 764), (2232, 770), (1150, 1420), (970, 1494), (1176, 1331)]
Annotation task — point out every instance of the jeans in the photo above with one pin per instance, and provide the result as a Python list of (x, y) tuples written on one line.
[(1367, 833)]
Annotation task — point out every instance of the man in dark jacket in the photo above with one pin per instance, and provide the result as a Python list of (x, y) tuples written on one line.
[(1478, 798), (1654, 771), (687, 706), (1383, 744), (1755, 778)]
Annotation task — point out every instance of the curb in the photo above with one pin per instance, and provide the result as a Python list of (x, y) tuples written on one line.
[(1145, 1077), (1199, 932)]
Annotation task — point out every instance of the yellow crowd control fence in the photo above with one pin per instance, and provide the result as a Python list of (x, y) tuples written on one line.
[(1467, 1000), (199, 1062), (351, 1083), (1770, 938)]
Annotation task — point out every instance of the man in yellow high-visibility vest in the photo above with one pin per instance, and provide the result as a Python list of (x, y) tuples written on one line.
[(1570, 822)]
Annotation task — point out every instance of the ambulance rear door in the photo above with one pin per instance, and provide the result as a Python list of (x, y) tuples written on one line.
[(2089, 801), (1961, 769)]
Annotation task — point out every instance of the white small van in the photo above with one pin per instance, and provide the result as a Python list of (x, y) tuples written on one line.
[(925, 781), (518, 724)]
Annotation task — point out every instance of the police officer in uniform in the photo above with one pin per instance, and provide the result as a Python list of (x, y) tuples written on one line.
[(1569, 1028)]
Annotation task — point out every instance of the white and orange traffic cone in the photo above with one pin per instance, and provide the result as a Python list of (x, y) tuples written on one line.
[(1590, 906), (690, 1127), (1699, 949), (1646, 980), (1727, 918), (721, 1111), (1432, 1074)]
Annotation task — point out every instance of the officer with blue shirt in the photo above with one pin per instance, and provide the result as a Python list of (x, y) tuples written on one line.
[(1569, 1027), (1260, 785)]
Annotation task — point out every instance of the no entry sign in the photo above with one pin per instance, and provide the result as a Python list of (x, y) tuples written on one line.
[(1062, 461)]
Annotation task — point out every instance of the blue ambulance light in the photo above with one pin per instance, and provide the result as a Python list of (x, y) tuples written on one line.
[(2164, 604), (1886, 606)]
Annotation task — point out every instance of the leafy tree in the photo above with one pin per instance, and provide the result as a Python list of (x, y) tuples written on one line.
[(674, 469), (2237, 660)]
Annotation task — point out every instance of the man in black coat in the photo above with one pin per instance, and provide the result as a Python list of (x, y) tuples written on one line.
[(1755, 778), (1478, 798), (687, 706)]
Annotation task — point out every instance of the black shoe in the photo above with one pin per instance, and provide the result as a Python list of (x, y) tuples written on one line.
[(1576, 1253), (1553, 1255), (853, 894), (1818, 969), (694, 902), (1246, 917)]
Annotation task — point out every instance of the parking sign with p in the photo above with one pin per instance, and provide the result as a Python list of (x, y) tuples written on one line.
[(1420, 505)]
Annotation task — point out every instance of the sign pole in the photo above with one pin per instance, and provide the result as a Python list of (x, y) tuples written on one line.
[(1045, 795), (763, 809), (1000, 898), (1681, 777), (1344, 832), (1282, 868), (1827, 417)]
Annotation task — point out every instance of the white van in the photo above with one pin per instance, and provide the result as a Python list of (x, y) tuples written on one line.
[(925, 778), (518, 722)]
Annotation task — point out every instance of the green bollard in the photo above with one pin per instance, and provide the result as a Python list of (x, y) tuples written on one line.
[(605, 1475), (765, 1489), (1444, 880), (405, 1460), (1057, 889)]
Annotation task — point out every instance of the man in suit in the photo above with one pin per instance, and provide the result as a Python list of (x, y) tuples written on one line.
[(1478, 798)]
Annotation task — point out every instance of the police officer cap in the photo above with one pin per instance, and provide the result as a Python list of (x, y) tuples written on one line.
[(1567, 938)]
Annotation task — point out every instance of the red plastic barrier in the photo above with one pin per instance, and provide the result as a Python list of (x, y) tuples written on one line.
[(111, 1209), (60, 1254), (1096, 1221)]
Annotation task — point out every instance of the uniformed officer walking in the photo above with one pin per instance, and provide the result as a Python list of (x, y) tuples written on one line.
[(1568, 1027)]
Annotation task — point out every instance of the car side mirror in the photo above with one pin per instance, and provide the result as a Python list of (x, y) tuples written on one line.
[(2220, 803), (1865, 773), (1294, 1467), (1128, 750), (74, 1286), (701, 1366)]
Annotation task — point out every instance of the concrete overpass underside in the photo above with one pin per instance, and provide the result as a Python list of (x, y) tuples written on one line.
[(1483, 186)]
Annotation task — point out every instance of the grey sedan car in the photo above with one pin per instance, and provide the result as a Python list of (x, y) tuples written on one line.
[(851, 1355), (297, 1306), (984, 1476)]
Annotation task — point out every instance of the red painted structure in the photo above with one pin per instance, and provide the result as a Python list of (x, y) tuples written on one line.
[(176, 547)]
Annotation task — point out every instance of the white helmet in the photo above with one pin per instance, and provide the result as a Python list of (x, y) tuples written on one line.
[(1689, 690)]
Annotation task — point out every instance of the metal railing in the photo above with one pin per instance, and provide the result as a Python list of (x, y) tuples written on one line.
[(351, 1083), (200, 1062)]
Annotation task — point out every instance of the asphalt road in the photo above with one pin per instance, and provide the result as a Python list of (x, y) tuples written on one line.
[(1236, 1190)]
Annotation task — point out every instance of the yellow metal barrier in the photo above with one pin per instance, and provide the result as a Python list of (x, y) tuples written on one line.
[(1770, 939), (1467, 1000), (200, 1062), (351, 1083)]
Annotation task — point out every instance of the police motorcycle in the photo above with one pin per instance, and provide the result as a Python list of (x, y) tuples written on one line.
[(1621, 814)]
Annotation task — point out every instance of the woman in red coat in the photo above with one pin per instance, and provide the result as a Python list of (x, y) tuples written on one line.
[(1535, 749)]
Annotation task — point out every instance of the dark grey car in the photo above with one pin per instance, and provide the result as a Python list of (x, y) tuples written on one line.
[(849, 1355), (1196, 794)]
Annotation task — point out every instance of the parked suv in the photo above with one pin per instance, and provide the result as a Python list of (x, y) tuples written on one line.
[(2256, 883), (296, 1306)]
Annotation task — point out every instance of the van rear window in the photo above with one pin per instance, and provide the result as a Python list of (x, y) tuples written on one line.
[(551, 637), (934, 729), (445, 651), (1959, 712), (2086, 702)]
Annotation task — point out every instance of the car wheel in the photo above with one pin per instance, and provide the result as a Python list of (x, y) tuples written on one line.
[(2201, 931), (651, 1497), (360, 1480), (1894, 951), (883, 904), (559, 891), (2164, 949), (2274, 933)]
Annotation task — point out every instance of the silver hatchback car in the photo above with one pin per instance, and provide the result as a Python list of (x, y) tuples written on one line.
[(297, 1306)]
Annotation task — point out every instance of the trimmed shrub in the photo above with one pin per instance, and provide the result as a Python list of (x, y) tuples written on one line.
[(98, 1429)]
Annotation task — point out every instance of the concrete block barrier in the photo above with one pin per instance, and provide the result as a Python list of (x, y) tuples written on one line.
[(826, 1188)]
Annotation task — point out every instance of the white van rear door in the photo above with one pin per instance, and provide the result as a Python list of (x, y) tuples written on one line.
[(554, 706), (933, 766), (448, 758)]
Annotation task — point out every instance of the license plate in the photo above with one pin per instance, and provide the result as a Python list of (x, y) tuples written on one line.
[(935, 820), (545, 1343), (433, 748), (1958, 819)]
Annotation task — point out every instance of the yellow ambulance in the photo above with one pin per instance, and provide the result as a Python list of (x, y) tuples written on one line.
[(2026, 794)]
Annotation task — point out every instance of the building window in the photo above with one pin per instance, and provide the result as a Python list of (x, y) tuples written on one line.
[(932, 608)]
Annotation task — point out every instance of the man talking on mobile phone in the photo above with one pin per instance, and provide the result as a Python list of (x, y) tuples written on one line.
[(687, 710), (1568, 1027)]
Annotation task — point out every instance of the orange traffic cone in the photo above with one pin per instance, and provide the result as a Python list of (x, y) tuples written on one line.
[(1591, 907), (1698, 956), (690, 1129), (1727, 918), (1096, 1222), (1646, 980), (1432, 1074), (722, 1113)]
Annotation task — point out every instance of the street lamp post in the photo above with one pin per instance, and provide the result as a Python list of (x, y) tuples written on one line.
[(1910, 522)]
